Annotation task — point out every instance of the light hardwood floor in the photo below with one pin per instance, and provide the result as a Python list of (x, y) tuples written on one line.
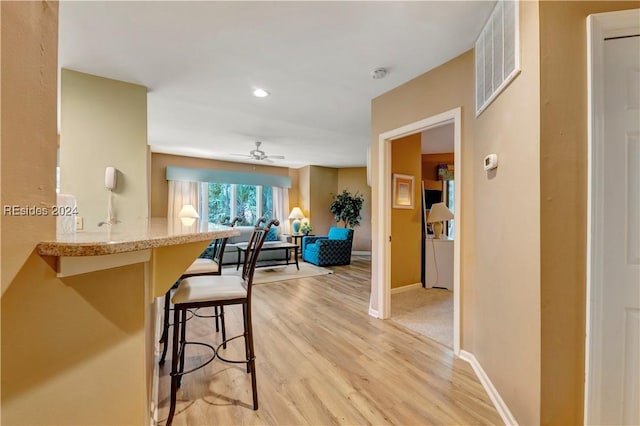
[(322, 360)]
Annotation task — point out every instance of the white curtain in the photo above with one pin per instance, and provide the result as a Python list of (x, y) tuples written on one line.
[(181, 193), (281, 208)]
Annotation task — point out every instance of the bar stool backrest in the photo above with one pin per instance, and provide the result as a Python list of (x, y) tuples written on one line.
[(256, 240)]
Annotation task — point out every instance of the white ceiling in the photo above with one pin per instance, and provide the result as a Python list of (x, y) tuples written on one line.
[(438, 140), (201, 61)]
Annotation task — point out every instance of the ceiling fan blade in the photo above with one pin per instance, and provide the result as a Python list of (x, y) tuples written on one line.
[(266, 160), (243, 155), (281, 157)]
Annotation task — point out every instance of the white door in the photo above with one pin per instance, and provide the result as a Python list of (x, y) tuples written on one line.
[(620, 350)]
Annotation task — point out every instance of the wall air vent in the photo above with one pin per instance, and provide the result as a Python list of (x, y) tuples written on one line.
[(497, 53)]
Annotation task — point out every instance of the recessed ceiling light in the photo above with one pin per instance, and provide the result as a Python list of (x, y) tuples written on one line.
[(260, 93)]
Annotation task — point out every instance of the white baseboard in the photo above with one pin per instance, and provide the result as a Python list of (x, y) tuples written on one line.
[(406, 288), (361, 253), (374, 313), (497, 400)]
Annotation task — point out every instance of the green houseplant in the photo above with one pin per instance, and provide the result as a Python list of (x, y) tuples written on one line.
[(306, 228), (346, 208)]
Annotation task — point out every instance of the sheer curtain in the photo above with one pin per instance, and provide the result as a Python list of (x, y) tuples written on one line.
[(181, 193), (281, 208)]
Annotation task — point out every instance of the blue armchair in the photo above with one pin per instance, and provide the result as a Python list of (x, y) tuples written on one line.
[(334, 249)]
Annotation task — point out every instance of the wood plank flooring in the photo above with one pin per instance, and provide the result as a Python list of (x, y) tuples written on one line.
[(322, 360)]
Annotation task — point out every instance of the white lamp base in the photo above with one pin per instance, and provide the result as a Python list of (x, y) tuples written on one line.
[(437, 230)]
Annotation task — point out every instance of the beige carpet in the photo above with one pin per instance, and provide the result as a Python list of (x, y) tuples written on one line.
[(428, 311), (282, 273)]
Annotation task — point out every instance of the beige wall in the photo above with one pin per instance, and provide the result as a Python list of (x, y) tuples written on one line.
[(354, 179), (507, 230), (406, 224), (104, 123), (47, 376), (160, 186), (563, 181), (304, 192), (442, 89), (29, 59), (323, 182), (500, 262)]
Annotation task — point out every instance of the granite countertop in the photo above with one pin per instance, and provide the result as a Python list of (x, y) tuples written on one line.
[(150, 233)]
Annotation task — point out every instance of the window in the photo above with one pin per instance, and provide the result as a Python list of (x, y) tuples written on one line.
[(226, 201), (219, 202), (267, 201), (449, 186)]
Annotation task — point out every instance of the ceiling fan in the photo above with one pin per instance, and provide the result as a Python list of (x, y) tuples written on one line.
[(259, 155)]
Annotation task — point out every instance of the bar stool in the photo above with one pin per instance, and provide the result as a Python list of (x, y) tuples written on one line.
[(201, 266), (216, 291)]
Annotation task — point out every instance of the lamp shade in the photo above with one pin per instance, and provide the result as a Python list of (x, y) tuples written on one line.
[(296, 213), (188, 215), (188, 211), (438, 213)]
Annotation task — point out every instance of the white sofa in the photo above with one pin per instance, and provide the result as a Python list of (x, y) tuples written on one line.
[(230, 256)]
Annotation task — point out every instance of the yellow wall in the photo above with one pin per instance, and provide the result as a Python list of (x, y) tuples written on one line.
[(47, 377), (354, 179), (430, 164), (563, 181), (406, 224), (104, 123)]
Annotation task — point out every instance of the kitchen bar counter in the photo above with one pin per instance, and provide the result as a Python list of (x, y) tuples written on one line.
[(152, 233), (101, 299), (117, 245)]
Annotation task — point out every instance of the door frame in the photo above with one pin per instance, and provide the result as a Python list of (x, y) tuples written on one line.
[(599, 27), (383, 182)]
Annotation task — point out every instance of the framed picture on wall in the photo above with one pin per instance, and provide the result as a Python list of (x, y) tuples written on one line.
[(402, 191)]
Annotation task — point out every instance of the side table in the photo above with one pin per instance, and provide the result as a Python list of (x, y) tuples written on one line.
[(297, 239)]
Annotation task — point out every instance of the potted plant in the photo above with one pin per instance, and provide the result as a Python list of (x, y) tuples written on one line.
[(346, 208), (306, 228)]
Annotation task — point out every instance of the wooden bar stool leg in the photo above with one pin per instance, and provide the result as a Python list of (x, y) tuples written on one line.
[(217, 317)]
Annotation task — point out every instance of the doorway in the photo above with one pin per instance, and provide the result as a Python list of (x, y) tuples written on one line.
[(382, 288), (427, 307), (612, 390)]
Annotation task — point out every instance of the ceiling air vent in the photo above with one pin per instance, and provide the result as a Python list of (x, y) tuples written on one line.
[(497, 53)]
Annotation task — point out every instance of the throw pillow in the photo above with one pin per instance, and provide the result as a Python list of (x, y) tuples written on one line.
[(272, 235)]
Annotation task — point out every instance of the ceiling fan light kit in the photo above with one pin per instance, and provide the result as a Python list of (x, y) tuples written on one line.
[(259, 155)]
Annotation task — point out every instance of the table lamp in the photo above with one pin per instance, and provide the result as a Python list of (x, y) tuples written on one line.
[(438, 213), (188, 215), (296, 214)]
